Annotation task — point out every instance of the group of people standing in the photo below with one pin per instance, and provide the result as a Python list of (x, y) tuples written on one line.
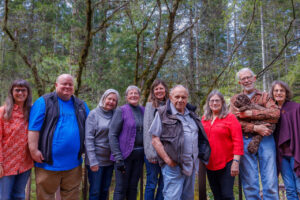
[(166, 135)]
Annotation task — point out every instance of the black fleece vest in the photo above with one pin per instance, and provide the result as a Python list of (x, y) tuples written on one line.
[(50, 121)]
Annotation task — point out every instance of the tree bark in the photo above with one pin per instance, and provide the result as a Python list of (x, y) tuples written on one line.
[(263, 53), (27, 61), (167, 46), (89, 34)]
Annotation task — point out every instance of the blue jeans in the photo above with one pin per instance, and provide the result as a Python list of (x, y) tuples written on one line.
[(13, 187), (177, 186), (154, 177), (100, 182), (264, 161), (290, 179)]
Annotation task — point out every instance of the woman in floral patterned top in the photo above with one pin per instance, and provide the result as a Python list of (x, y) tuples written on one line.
[(15, 159)]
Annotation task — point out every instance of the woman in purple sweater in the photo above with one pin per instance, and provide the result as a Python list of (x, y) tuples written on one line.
[(287, 137), (126, 143)]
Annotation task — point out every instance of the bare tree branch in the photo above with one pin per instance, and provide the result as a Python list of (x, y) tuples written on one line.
[(156, 47), (85, 50), (138, 35), (128, 12), (26, 60), (147, 20), (185, 29), (104, 24), (89, 34), (167, 46), (230, 58), (287, 41), (167, 5)]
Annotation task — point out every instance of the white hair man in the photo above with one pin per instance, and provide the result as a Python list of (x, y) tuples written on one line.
[(179, 139), (264, 161)]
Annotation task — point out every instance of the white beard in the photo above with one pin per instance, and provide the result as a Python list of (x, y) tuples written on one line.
[(249, 88)]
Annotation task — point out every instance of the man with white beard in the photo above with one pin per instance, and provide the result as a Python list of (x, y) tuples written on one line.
[(264, 161)]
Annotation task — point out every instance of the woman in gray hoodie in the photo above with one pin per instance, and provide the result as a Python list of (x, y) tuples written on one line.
[(100, 167), (159, 94)]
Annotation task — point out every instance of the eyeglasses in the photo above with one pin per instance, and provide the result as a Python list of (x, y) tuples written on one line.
[(214, 101), (16, 90), (279, 91), (246, 78)]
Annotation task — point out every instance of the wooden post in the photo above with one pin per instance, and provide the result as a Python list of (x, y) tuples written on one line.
[(202, 181), (85, 183), (28, 189), (142, 185), (240, 189)]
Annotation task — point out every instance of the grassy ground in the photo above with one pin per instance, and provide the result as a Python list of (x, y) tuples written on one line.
[(208, 190)]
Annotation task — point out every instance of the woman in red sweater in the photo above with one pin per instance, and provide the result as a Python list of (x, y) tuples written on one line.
[(225, 138), (15, 159)]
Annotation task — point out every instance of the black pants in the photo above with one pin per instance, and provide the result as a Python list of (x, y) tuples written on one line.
[(221, 183), (126, 184)]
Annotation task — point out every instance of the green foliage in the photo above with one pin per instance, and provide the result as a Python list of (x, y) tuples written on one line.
[(51, 34), (293, 79)]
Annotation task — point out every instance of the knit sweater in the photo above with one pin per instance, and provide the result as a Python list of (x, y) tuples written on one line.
[(150, 152), (149, 114), (96, 137), (119, 125)]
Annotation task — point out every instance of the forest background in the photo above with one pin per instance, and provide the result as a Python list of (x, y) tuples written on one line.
[(115, 43)]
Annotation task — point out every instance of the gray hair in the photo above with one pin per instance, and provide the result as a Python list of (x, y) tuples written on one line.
[(244, 70), (208, 112), (176, 86), (288, 91), (105, 94), (132, 87)]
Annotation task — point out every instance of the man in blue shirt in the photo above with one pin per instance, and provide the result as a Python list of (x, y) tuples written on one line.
[(56, 135)]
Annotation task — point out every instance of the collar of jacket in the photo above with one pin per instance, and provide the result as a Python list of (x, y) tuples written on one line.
[(188, 106), (256, 91)]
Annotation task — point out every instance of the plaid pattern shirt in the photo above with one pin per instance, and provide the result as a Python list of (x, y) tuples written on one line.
[(270, 114)]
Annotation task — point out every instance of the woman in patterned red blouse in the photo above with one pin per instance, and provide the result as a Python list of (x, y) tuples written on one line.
[(15, 160)]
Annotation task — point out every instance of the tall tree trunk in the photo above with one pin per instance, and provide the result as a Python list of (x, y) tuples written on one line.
[(56, 32), (192, 71), (102, 50), (285, 62), (228, 40), (197, 34), (14, 39), (235, 22), (166, 48), (142, 57), (263, 46), (74, 36)]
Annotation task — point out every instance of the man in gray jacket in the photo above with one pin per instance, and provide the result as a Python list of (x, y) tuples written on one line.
[(179, 139)]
